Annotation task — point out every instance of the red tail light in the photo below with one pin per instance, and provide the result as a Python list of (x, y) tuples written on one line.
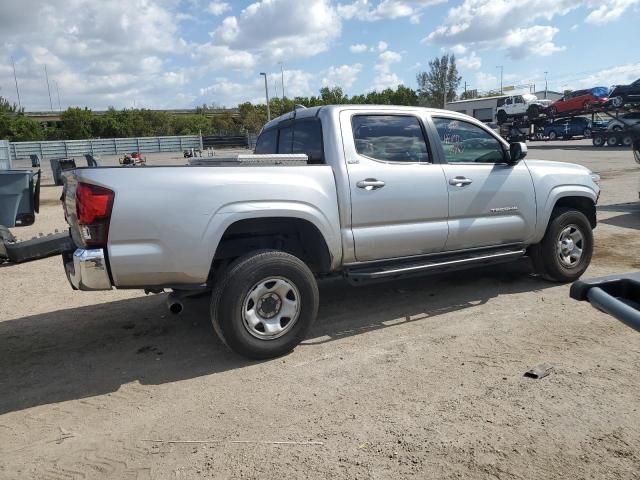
[(93, 208)]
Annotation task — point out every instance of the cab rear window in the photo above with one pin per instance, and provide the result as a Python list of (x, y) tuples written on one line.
[(297, 136)]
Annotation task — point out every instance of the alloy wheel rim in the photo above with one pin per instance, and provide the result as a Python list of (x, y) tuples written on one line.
[(570, 246), (271, 308)]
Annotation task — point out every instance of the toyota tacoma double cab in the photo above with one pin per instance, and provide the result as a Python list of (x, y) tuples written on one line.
[(520, 106), (383, 192)]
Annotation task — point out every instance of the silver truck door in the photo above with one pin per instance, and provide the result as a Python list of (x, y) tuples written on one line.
[(399, 200), (490, 201)]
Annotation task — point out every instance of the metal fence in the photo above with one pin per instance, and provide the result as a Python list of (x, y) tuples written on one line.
[(102, 146), (5, 157)]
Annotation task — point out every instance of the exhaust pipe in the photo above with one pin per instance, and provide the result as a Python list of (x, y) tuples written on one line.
[(174, 304)]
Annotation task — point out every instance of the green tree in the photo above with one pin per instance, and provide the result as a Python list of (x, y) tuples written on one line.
[(441, 80), (76, 123), (8, 107), (18, 128), (332, 96)]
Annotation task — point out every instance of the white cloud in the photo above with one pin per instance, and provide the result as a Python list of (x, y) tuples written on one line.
[(98, 53), (218, 8), (536, 40), (230, 93), (459, 49), (382, 46), (489, 24), (385, 78), (219, 57), (486, 81), (618, 75), (281, 29), (609, 11), (358, 48), (369, 11), (343, 76), (470, 62), (388, 57)]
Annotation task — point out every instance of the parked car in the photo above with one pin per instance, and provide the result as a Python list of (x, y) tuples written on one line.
[(568, 127), (624, 121), (388, 192), (579, 101), (519, 106), (622, 94)]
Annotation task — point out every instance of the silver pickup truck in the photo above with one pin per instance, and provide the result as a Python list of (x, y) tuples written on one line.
[(386, 192)]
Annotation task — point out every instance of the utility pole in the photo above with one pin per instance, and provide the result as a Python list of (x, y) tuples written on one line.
[(545, 84), (46, 75), (282, 74), (58, 92), (266, 92), (15, 78), (501, 72)]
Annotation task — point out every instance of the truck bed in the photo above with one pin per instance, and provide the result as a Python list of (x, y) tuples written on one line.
[(166, 222)]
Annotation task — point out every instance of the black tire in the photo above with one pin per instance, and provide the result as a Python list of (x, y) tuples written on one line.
[(552, 135), (502, 117), (586, 133), (618, 101), (546, 254), (232, 293), (627, 140), (598, 140), (533, 111), (617, 128), (612, 140)]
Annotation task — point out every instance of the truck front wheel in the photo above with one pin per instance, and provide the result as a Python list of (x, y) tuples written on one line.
[(264, 304), (565, 251)]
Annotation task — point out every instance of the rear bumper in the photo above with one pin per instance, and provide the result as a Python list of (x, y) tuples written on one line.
[(87, 269)]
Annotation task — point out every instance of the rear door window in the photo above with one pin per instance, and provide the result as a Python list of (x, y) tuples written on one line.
[(307, 139), (267, 142), (285, 139), (390, 138)]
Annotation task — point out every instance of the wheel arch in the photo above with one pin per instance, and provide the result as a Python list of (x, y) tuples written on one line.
[(579, 197), (293, 234)]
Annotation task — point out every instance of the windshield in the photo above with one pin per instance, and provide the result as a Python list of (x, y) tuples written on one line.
[(600, 92)]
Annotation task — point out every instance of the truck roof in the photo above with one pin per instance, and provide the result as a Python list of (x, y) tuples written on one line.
[(315, 111)]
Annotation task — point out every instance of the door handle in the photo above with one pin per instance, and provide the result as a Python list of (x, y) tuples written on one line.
[(460, 181), (370, 184)]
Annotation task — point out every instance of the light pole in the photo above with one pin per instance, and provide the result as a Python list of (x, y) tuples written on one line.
[(58, 92), (16, 80), (282, 73), (46, 75), (266, 92), (501, 71), (545, 84)]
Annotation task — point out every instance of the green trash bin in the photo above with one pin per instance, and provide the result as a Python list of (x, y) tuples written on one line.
[(19, 197)]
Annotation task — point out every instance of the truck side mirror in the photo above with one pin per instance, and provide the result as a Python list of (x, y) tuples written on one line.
[(517, 151)]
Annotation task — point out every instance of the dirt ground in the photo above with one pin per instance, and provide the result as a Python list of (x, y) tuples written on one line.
[(421, 378)]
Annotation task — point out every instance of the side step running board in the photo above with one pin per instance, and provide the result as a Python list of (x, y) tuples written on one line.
[(438, 263)]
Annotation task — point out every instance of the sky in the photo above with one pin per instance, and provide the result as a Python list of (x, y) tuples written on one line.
[(165, 54)]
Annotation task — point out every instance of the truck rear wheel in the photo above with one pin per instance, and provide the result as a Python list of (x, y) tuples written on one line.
[(264, 304), (566, 249)]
